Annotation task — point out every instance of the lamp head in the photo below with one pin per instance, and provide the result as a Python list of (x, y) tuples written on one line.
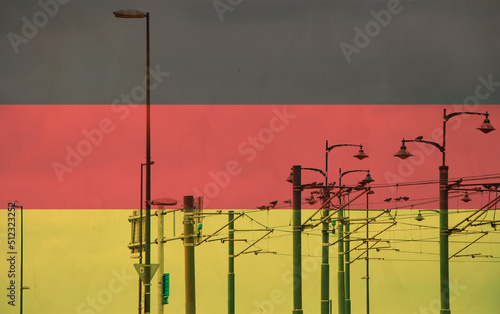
[(129, 14), (368, 178), (466, 198), (361, 154), (486, 127), (403, 153), (164, 202), (419, 217)]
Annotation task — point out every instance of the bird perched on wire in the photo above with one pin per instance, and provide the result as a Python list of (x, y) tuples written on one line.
[(456, 183), (419, 138), (273, 204), (388, 199), (311, 200)]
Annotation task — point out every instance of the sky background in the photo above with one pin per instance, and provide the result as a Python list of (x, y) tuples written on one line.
[(76, 167), (262, 52)]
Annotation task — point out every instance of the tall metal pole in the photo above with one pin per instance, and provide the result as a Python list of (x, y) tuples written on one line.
[(21, 270), (443, 240), (140, 241), (347, 260), (189, 265), (297, 243), (147, 270), (160, 258), (367, 257), (325, 266), (444, 138), (340, 244), (230, 275), (443, 229)]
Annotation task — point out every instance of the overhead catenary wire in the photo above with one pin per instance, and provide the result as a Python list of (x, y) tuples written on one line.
[(398, 235)]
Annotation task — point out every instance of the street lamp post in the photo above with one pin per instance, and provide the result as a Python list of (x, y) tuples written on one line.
[(189, 258), (161, 203), (140, 240), (231, 275), (368, 253), (347, 247), (147, 269), (140, 233), (485, 127), (297, 243), (296, 179), (325, 267)]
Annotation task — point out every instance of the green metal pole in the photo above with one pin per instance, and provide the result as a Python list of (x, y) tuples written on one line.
[(297, 243), (325, 266), (340, 245), (367, 258), (341, 279), (230, 276), (189, 266), (443, 240), (444, 271), (347, 259), (140, 242)]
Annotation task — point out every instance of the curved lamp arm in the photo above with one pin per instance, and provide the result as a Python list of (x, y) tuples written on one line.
[(441, 148), (340, 145), (318, 170), (451, 115), (346, 172)]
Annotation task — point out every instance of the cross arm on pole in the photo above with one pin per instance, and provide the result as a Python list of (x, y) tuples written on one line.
[(322, 207), (455, 255), (340, 208), (347, 234), (255, 242), (365, 251), (220, 229), (478, 214), (376, 241)]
